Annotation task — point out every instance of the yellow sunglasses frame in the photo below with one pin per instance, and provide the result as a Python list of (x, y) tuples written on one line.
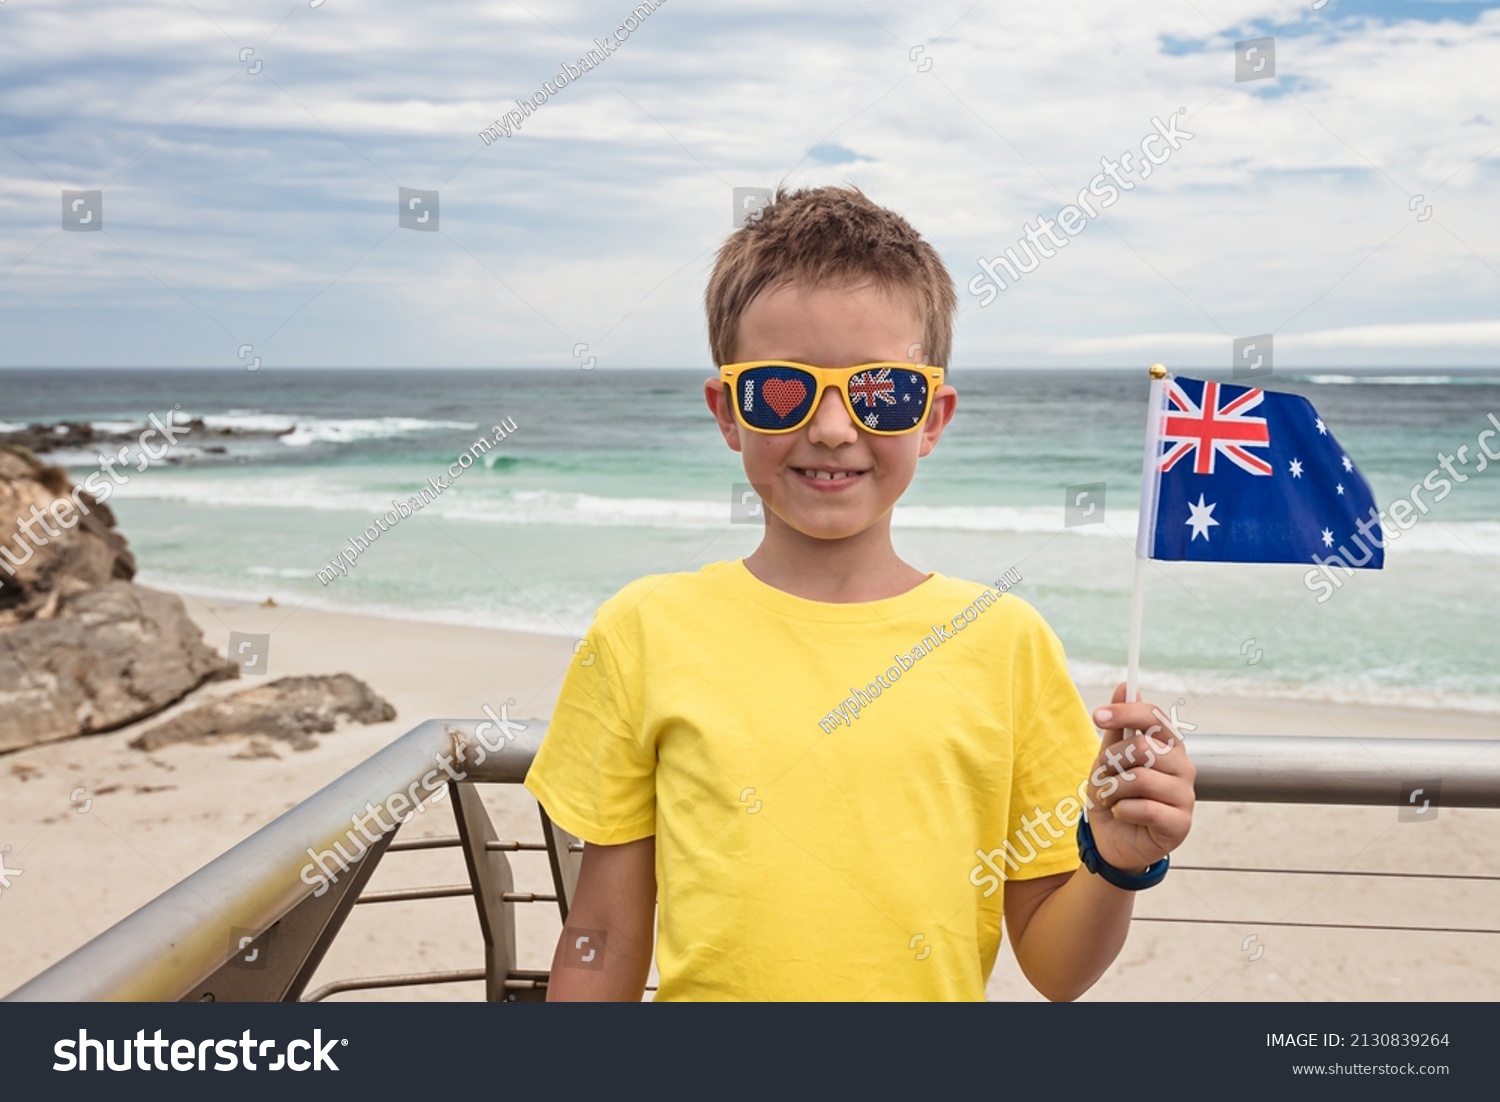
[(825, 377)]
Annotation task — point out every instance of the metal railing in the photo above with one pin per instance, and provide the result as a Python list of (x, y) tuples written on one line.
[(190, 942)]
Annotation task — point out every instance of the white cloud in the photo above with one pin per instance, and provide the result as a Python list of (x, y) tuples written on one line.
[(1413, 335), (1288, 211), (1432, 338)]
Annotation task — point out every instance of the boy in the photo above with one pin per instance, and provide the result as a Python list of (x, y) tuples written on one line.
[(797, 860)]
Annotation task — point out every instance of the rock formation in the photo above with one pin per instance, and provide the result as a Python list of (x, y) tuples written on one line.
[(55, 539), (292, 709), (82, 649)]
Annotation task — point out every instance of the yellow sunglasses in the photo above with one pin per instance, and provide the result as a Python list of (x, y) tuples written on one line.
[(887, 399)]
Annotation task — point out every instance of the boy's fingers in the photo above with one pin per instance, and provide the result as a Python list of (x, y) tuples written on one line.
[(1139, 716), (1150, 784), (1119, 762), (1162, 754), (1116, 699), (1168, 825)]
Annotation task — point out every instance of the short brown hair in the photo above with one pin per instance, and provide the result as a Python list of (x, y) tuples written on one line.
[(818, 235)]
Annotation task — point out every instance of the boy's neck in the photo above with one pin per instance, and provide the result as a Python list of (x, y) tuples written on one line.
[(863, 567)]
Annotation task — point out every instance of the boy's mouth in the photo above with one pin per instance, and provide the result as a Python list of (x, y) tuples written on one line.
[(829, 478)]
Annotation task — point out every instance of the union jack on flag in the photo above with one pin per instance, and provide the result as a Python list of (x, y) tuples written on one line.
[(1210, 429), (1287, 493)]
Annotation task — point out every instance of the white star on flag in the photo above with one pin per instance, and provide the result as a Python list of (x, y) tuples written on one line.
[(1202, 518), (1327, 538), (1322, 429), (1340, 487), (1296, 468), (1348, 466)]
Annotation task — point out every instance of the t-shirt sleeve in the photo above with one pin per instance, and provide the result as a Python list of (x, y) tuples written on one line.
[(595, 773), (1055, 747)]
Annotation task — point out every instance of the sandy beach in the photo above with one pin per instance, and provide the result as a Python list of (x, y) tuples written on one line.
[(157, 817)]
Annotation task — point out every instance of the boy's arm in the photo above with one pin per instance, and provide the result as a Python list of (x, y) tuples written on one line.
[(1080, 927), (616, 896), (1067, 929)]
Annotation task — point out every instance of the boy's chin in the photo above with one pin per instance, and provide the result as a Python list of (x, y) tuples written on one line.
[(824, 527)]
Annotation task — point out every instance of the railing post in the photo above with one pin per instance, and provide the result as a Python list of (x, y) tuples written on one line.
[(285, 957), (491, 877)]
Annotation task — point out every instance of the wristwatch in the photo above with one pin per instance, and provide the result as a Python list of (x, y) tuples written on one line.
[(1097, 865)]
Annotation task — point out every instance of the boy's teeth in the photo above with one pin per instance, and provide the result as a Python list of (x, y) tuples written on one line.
[(828, 474)]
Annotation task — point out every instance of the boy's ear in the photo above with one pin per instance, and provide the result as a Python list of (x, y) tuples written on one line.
[(716, 394), (944, 405)]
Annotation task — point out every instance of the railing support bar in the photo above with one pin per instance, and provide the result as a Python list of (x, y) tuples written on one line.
[(492, 881), (282, 960)]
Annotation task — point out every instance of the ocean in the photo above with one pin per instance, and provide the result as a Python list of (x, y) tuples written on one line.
[(611, 475)]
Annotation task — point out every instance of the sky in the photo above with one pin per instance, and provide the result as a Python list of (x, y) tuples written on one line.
[(249, 156)]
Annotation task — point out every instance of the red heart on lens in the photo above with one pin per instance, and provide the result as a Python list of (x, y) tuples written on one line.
[(783, 395)]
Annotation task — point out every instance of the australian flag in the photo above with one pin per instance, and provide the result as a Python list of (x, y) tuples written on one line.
[(1239, 474)]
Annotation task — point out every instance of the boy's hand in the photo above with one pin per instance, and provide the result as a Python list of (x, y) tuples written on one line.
[(1141, 785)]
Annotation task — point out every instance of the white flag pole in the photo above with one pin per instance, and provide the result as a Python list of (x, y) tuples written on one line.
[(1145, 532)]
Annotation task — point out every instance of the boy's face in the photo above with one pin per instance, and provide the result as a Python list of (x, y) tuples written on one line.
[(830, 326)]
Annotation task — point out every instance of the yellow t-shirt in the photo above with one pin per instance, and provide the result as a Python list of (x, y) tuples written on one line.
[(806, 850)]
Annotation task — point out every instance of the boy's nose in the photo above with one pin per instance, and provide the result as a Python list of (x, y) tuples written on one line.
[(831, 423)]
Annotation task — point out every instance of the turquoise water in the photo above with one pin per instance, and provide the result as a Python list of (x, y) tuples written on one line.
[(610, 476)]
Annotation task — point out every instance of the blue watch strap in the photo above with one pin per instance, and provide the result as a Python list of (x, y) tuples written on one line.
[(1101, 868)]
